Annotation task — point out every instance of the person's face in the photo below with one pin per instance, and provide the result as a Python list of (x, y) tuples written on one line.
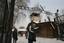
[(12, 29), (35, 18)]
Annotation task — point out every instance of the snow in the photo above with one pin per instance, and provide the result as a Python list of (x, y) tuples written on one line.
[(39, 40)]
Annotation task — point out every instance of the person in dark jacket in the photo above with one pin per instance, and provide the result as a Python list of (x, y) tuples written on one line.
[(15, 38), (32, 28)]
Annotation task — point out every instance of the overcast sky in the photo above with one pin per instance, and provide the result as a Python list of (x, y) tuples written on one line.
[(50, 5)]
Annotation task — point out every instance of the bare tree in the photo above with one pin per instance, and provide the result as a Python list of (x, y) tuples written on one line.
[(48, 18)]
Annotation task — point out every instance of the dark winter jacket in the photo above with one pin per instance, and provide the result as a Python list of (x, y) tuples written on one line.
[(32, 29), (15, 34)]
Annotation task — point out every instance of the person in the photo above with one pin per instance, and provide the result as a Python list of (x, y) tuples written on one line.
[(15, 38), (32, 28)]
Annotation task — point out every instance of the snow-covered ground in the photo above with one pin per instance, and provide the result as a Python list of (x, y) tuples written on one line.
[(39, 40)]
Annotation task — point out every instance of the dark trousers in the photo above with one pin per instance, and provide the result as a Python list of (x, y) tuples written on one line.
[(30, 41), (14, 41)]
